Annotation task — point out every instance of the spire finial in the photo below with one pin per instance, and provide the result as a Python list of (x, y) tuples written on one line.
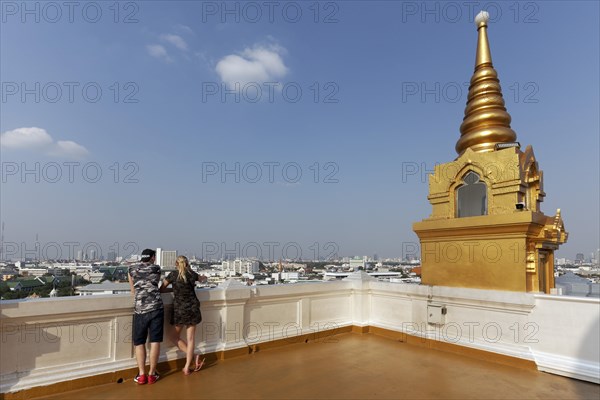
[(486, 120), (483, 47), (482, 18)]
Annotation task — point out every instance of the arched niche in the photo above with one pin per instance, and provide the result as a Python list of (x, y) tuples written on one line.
[(471, 196)]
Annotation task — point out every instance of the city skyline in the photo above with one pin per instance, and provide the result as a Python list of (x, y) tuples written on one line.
[(268, 252), (219, 126)]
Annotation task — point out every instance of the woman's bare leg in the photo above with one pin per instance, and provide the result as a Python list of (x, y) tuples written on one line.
[(176, 338), (190, 331)]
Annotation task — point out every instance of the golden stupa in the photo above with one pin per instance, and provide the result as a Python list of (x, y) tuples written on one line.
[(486, 229)]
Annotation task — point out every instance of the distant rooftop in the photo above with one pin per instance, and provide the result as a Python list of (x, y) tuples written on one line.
[(104, 286), (573, 285)]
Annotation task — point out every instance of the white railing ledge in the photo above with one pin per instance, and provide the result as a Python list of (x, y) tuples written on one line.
[(65, 305), (300, 288), (565, 298)]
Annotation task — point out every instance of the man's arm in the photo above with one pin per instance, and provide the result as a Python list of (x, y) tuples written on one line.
[(131, 284)]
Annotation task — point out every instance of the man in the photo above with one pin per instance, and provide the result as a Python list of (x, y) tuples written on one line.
[(148, 315)]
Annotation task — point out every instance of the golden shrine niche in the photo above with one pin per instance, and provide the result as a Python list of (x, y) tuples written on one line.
[(486, 229)]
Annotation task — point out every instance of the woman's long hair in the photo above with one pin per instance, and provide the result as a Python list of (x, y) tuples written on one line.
[(183, 267)]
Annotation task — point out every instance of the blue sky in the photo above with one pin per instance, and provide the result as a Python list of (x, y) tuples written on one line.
[(357, 91)]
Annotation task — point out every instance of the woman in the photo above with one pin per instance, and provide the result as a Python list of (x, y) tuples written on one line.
[(186, 310)]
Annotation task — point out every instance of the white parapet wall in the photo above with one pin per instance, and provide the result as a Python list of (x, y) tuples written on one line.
[(567, 340), (45, 341)]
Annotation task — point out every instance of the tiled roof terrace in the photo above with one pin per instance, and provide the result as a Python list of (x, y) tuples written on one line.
[(349, 366)]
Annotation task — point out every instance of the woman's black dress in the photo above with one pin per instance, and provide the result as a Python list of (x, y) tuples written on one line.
[(186, 307)]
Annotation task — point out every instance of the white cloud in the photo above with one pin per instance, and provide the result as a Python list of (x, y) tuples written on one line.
[(68, 149), (37, 139), (258, 64), (175, 40), (184, 29), (25, 138), (158, 51)]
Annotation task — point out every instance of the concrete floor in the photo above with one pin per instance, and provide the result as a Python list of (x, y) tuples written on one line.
[(349, 366)]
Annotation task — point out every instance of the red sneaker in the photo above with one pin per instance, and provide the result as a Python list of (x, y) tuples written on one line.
[(140, 379), (153, 378)]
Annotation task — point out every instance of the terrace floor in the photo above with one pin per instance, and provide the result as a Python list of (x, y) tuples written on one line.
[(349, 366)]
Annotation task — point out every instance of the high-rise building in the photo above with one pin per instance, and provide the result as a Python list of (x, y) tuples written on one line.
[(166, 258), (169, 257), (357, 263), (111, 256), (238, 266), (158, 255)]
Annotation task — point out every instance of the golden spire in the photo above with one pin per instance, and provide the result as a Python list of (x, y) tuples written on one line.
[(486, 121)]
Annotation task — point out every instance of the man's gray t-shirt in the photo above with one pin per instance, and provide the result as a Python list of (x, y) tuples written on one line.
[(146, 278)]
